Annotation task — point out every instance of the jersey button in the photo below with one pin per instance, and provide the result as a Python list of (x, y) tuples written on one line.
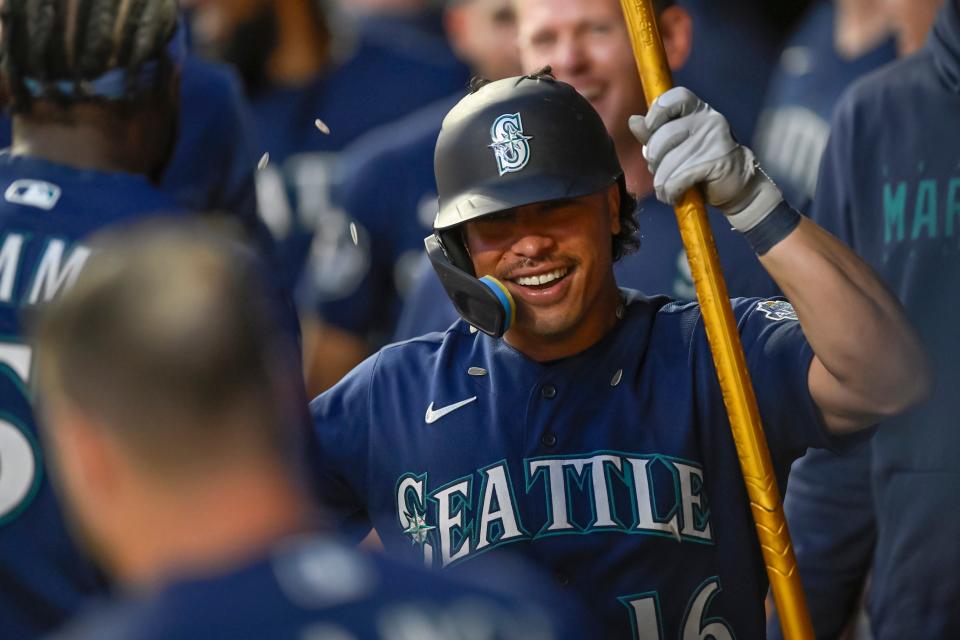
[(548, 391), (562, 579), (548, 439)]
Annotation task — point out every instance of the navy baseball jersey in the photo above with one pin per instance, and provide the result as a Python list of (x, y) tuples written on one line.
[(828, 503), (890, 187), (388, 190), (659, 268), (805, 86), (310, 587), (46, 211), (614, 469), (375, 86)]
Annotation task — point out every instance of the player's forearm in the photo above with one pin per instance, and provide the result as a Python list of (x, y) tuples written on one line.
[(869, 361)]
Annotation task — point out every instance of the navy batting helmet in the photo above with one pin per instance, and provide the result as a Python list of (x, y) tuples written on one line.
[(511, 143), (515, 142)]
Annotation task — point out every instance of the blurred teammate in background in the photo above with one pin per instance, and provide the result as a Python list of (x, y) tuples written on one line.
[(836, 42), (833, 530), (387, 189), (587, 45), (301, 64), (179, 477), (890, 187), (94, 119)]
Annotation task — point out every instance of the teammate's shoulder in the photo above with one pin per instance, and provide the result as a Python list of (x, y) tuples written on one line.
[(283, 584), (371, 589), (28, 181)]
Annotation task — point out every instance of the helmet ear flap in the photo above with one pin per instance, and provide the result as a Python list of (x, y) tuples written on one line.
[(485, 303), (453, 245)]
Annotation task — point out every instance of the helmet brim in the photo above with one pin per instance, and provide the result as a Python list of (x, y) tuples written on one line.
[(497, 197)]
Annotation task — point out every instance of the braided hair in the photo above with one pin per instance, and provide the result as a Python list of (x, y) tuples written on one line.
[(72, 50)]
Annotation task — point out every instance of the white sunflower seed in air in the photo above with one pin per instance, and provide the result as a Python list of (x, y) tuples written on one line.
[(264, 159), (617, 377)]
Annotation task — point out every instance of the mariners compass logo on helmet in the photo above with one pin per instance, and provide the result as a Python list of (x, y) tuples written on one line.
[(510, 146)]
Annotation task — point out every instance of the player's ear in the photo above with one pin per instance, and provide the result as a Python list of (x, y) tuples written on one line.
[(676, 29), (84, 463)]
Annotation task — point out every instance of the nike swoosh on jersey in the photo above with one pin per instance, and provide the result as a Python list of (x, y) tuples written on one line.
[(432, 416)]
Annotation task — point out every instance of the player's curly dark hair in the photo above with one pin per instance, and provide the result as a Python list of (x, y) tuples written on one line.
[(51, 49), (628, 240)]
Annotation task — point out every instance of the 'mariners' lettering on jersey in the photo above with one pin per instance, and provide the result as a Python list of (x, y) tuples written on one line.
[(920, 209), (599, 491)]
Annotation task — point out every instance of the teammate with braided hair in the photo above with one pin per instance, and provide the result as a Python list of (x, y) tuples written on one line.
[(93, 87)]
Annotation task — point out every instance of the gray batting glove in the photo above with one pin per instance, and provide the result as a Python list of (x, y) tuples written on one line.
[(687, 143)]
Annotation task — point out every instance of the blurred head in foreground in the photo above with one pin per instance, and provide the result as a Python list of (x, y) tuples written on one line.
[(169, 398)]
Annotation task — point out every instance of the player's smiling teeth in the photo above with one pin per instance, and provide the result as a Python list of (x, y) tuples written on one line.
[(542, 279)]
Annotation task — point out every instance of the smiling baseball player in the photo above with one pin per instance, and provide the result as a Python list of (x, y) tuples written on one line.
[(592, 437)]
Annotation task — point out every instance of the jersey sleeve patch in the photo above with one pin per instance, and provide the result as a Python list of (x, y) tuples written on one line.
[(777, 310)]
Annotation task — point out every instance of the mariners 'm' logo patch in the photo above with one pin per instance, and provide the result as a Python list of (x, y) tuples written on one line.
[(510, 146), (777, 309)]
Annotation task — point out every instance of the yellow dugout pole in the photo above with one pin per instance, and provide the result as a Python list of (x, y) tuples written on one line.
[(727, 353)]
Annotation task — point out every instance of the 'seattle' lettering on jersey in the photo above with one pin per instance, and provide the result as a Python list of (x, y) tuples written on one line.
[(613, 469)]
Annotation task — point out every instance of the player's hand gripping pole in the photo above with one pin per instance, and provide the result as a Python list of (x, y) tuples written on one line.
[(727, 352)]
